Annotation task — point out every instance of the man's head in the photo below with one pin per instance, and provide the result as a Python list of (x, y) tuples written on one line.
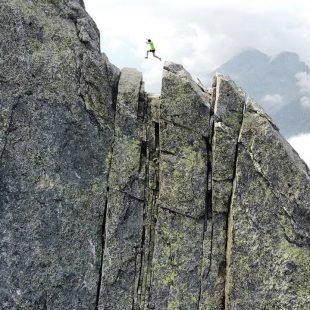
[(149, 40)]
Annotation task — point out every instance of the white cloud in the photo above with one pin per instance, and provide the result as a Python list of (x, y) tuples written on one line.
[(202, 35), (153, 72), (303, 83), (305, 101), (249, 6), (274, 101), (199, 34), (301, 144)]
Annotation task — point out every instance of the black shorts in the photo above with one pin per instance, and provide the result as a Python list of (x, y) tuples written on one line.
[(153, 51)]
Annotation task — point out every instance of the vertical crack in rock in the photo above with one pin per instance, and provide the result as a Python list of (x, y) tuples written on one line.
[(155, 192), (184, 125), (229, 236), (209, 204), (104, 218), (142, 117), (104, 222), (143, 159), (153, 188), (143, 155), (142, 104), (103, 234), (82, 91), (146, 240), (9, 126), (225, 120), (142, 250), (126, 199), (208, 217), (267, 234), (152, 105)]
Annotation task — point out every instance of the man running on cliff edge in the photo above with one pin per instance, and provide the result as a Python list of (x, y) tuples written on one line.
[(152, 49)]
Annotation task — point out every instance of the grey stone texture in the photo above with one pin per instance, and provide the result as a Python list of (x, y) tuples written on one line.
[(56, 129), (112, 198), (125, 203), (269, 221)]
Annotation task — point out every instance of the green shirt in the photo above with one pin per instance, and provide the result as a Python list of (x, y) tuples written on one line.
[(152, 47)]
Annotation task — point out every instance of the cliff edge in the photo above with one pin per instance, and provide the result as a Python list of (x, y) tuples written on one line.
[(111, 198)]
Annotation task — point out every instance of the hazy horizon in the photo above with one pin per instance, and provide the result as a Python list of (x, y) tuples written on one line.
[(202, 35)]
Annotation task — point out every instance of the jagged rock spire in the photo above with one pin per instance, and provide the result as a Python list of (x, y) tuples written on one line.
[(111, 198)]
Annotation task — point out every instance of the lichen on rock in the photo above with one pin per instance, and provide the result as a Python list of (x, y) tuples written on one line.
[(113, 198)]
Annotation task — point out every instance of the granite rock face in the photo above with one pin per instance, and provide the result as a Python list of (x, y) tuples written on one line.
[(56, 132), (112, 198)]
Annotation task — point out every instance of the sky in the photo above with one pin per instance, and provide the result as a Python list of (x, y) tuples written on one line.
[(202, 35)]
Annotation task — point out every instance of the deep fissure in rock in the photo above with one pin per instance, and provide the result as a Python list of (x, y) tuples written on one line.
[(229, 213), (104, 218), (149, 167), (103, 235), (142, 103), (14, 106), (152, 202), (208, 217)]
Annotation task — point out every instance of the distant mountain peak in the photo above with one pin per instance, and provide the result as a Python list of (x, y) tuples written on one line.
[(286, 57), (287, 54), (250, 54), (263, 76), (252, 51)]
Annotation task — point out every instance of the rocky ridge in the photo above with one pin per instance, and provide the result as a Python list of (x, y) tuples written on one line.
[(115, 199)]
